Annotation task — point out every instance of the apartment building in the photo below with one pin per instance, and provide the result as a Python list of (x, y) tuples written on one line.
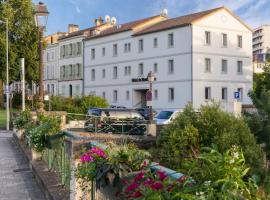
[(261, 47), (195, 58)]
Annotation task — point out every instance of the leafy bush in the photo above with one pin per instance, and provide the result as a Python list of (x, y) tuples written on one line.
[(210, 125), (76, 105), (23, 119)]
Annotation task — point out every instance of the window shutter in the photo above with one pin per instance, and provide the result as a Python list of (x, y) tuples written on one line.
[(74, 47)]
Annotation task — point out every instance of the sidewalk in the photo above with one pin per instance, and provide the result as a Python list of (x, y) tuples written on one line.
[(16, 179)]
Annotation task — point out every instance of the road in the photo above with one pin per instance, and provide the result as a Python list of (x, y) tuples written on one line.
[(16, 180)]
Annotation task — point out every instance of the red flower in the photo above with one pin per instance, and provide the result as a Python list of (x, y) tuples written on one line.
[(132, 187), (139, 176), (148, 182), (157, 186), (182, 179), (137, 194), (170, 187), (162, 175)]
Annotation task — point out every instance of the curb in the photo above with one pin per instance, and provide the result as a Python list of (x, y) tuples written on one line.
[(48, 181)]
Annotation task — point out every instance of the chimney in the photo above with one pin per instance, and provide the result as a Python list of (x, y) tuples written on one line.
[(99, 21), (72, 28)]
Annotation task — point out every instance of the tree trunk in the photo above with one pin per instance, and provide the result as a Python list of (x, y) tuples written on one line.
[(1, 94)]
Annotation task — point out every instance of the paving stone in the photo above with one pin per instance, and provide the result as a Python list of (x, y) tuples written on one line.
[(15, 185)]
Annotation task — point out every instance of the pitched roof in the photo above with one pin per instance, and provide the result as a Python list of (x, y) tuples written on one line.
[(120, 28), (176, 22), (76, 33)]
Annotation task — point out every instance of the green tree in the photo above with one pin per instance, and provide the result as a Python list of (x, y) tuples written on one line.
[(23, 39)]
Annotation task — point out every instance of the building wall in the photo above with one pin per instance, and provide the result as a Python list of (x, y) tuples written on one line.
[(75, 81), (261, 39), (217, 24), (180, 79), (51, 69)]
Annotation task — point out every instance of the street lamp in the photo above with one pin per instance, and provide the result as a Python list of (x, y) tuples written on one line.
[(41, 17), (7, 78), (151, 78)]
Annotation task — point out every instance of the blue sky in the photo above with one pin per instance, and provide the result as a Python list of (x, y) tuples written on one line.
[(82, 12)]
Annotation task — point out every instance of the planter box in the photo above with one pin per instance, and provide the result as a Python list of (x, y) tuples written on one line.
[(54, 141)]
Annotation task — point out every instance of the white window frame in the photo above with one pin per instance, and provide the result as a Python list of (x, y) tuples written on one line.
[(224, 96)]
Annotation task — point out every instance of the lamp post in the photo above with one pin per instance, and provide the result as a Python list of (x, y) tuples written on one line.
[(7, 75), (151, 78), (41, 17)]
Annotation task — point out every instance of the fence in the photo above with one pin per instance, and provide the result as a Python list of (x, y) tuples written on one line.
[(101, 124)]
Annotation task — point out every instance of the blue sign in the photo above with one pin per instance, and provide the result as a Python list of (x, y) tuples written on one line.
[(237, 95)]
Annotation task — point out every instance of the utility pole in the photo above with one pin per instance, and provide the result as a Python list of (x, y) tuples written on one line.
[(23, 84), (7, 94)]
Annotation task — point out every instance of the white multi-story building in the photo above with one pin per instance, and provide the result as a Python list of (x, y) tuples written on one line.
[(261, 47), (51, 64), (70, 83), (195, 58)]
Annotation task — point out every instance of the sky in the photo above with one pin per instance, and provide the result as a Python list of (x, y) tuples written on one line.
[(83, 12)]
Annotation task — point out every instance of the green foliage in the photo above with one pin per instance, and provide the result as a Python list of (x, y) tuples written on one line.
[(22, 120), (23, 39), (76, 105), (210, 125)]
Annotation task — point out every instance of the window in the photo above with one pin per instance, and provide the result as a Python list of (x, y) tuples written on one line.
[(79, 68), (224, 66), (155, 67), (115, 50), (79, 48), (170, 66), (207, 93), (103, 73), (77, 90), (240, 90), (224, 93), (141, 69), (141, 45), (155, 43), (171, 94), (66, 51), (93, 74), (115, 72), (239, 41), (48, 88), (170, 40), (103, 51), (70, 70), (224, 40), (127, 95), (115, 96), (93, 54), (207, 65), (52, 89), (74, 47), (207, 37), (63, 90), (239, 67), (48, 56), (70, 49), (155, 94), (103, 95), (129, 70), (127, 47)]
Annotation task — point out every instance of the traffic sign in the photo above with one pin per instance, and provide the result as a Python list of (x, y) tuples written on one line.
[(149, 95), (237, 95)]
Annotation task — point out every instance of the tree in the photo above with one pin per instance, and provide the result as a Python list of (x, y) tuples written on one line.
[(23, 40)]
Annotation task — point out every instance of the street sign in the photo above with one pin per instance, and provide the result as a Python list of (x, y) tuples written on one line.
[(149, 95), (237, 95)]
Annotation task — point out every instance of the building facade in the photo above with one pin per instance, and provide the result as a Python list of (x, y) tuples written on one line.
[(195, 58), (261, 47)]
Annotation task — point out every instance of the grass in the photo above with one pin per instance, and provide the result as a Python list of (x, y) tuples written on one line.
[(2, 118)]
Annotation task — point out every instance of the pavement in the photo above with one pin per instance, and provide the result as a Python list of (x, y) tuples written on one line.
[(16, 179)]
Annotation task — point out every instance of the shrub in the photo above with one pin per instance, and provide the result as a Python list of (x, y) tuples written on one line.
[(210, 125), (23, 119)]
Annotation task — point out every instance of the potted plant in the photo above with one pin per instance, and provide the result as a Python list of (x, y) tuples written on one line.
[(21, 121)]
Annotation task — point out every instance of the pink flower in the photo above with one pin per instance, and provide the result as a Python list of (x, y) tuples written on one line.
[(157, 185), (182, 179), (132, 187), (162, 175), (139, 176), (137, 194)]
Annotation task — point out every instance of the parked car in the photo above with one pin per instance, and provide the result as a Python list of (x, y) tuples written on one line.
[(145, 112), (112, 120), (166, 116)]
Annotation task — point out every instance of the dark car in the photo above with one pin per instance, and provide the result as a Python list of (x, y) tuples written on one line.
[(145, 112), (112, 120)]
